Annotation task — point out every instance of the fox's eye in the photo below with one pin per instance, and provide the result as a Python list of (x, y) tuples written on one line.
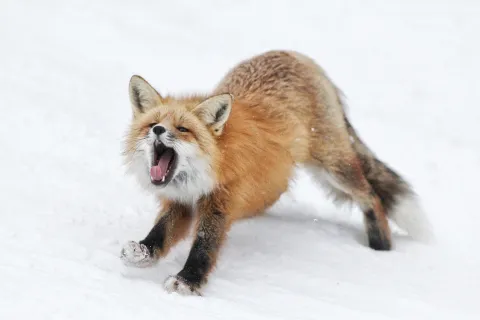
[(151, 125), (182, 129)]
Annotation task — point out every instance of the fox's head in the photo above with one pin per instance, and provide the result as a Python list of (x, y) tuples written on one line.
[(171, 144)]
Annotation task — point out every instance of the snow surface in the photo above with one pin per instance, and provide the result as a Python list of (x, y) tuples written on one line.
[(409, 70)]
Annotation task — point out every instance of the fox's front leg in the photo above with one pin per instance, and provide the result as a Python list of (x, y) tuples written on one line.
[(170, 227), (211, 230)]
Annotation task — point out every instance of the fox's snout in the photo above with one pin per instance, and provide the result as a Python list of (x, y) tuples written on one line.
[(158, 130)]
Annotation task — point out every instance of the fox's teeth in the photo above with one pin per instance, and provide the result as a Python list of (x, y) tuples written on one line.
[(163, 179)]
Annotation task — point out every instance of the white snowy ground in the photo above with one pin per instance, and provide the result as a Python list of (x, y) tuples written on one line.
[(410, 72)]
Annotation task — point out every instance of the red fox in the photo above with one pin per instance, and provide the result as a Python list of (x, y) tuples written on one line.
[(219, 157)]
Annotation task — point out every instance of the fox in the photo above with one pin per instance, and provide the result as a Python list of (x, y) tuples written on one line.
[(211, 159)]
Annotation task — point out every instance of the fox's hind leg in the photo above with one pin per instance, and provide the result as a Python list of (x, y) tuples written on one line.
[(340, 169), (171, 226)]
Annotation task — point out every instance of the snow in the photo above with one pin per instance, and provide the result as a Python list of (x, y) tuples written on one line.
[(409, 70)]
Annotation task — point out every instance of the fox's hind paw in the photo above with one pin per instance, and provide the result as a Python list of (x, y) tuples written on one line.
[(134, 254)]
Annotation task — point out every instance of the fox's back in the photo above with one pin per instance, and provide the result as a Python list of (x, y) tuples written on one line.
[(275, 78), (289, 87)]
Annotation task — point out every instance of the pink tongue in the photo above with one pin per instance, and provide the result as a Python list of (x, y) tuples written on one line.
[(159, 171)]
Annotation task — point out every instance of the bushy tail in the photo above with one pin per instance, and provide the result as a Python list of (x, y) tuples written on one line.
[(398, 198)]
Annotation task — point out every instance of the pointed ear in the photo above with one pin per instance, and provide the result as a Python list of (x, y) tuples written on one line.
[(142, 95), (214, 111)]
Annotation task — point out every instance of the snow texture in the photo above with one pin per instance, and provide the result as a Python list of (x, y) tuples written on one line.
[(409, 70)]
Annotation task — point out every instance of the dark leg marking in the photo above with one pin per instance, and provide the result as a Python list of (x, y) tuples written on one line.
[(201, 259), (168, 230), (377, 239), (155, 240)]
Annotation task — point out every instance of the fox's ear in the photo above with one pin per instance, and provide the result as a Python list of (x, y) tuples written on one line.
[(214, 111), (142, 95)]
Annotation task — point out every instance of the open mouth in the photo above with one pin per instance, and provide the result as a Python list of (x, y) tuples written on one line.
[(164, 163)]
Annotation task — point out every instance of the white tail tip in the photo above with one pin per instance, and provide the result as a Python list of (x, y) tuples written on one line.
[(408, 214)]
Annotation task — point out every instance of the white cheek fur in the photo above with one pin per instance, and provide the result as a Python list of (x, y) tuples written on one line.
[(193, 176)]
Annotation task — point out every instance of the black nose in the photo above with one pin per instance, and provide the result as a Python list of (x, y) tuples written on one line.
[(158, 130)]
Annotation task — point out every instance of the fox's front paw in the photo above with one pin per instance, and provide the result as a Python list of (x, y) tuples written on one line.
[(135, 254), (180, 286)]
